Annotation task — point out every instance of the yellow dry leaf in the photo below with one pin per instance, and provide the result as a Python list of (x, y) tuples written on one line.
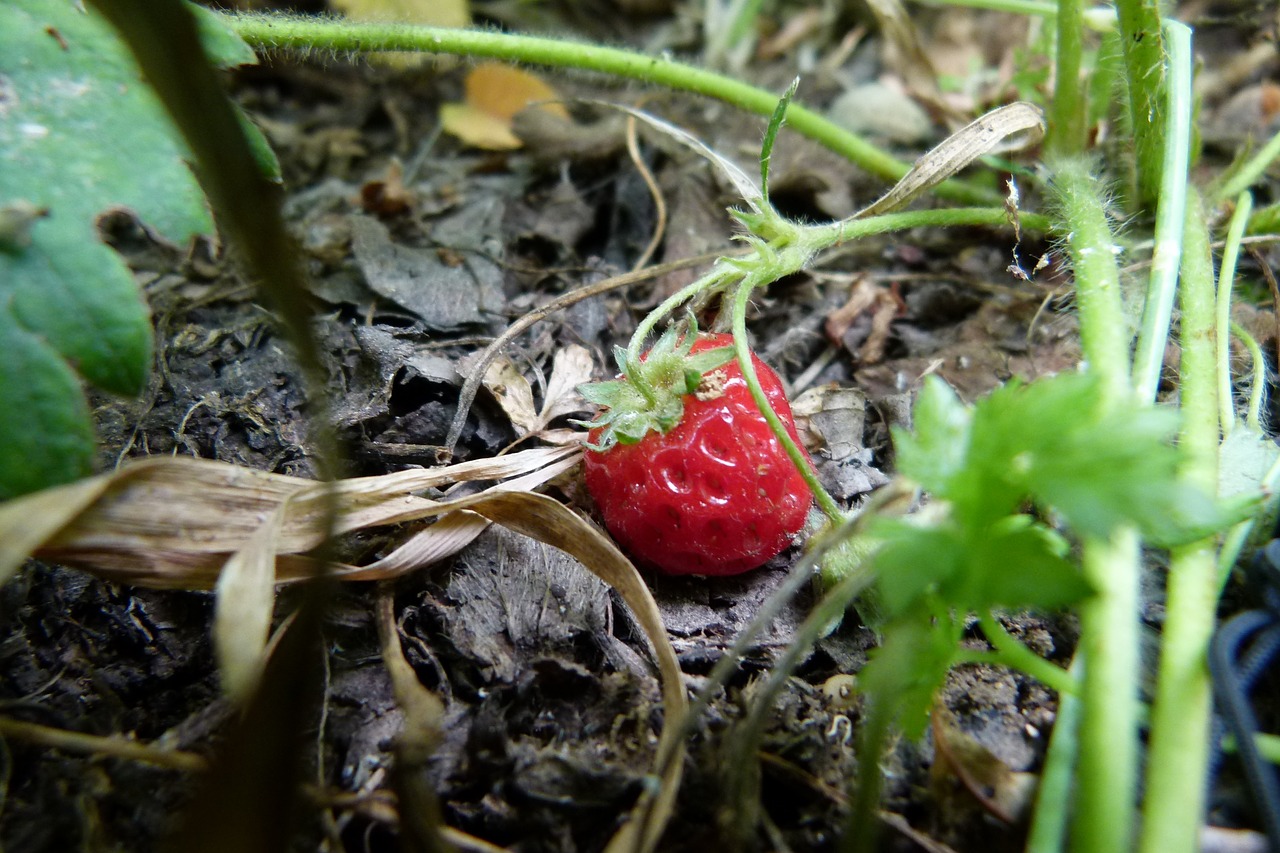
[(494, 93), (431, 13)]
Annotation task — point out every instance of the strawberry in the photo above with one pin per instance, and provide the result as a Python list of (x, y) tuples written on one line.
[(683, 467)]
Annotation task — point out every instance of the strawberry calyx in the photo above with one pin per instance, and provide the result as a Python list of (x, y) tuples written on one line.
[(648, 395)]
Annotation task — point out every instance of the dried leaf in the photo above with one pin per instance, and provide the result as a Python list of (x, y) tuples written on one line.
[(246, 596), (172, 522), (550, 521), (494, 93), (432, 13), (570, 368), (514, 394), (176, 521), (1006, 128), (745, 186), (1003, 792)]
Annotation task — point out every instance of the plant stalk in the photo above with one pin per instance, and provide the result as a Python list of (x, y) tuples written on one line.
[(288, 32), (1049, 823), (1179, 745), (1107, 774), (1011, 652), (1170, 216), (826, 503), (1251, 172), (1222, 320), (1108, 732), (1067, 112), (1143, 45)]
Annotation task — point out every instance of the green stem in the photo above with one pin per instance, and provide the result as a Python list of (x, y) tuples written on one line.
[(1107, 774), (1014, 654), (1108, 734), (826, 503), (1170, 215), (1253, 415), (1049, 823), (742, 773), (822, 236), (1222, 321), (1067, 112), (715, 278), (1179, 745), (1251, 172), (284, 32), (1091, 246), (1100, 18), (863, 821), (1144, 60)]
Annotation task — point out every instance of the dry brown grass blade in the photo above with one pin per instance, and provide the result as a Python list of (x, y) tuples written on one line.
[(173, 522), (29, 522), (418, 807), (245, 600), (550, 521), (1006, 128)]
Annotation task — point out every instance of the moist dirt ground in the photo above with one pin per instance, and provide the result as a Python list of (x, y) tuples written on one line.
[(420, 250)]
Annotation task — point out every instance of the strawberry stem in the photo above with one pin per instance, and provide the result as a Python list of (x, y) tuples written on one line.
[(826, 503)]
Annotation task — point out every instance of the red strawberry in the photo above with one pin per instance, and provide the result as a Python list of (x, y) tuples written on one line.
[(714, 495)]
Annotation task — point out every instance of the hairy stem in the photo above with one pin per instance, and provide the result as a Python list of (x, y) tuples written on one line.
[(1067, 112), (1179, 746), (1143, 45), (288, 32), (1107, 775), (1108, 736)]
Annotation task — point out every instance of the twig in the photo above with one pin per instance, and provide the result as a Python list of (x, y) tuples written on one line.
[(111, 746)]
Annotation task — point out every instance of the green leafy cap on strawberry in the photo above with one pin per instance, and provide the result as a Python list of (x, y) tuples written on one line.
[(649, 394)]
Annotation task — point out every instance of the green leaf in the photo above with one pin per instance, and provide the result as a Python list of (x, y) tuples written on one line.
[(909, 666), (914, 560), (771, 136), (1024, 564), (80, 134), (937, 452), (708, 360), (39, 390)]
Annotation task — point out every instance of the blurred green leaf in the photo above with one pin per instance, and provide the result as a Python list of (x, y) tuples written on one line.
[(80, 134), (1024, 564), (913, 559), (937, 448)]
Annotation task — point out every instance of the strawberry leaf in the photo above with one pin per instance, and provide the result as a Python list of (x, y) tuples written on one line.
[(937, 451), (1022, 563), (914, 560), (81, 135)]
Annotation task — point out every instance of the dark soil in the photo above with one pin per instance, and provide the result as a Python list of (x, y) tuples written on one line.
[(552, 702)]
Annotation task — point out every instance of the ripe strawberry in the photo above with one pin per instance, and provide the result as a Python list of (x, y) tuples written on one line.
[(713, 494)]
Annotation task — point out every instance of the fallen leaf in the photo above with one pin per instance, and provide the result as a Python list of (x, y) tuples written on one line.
[(570, 368), (493, 94), (173, 522), (1002, 792), (178, 521), (431, 13)]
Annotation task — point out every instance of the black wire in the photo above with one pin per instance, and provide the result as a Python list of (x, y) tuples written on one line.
[(1235, 668)]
